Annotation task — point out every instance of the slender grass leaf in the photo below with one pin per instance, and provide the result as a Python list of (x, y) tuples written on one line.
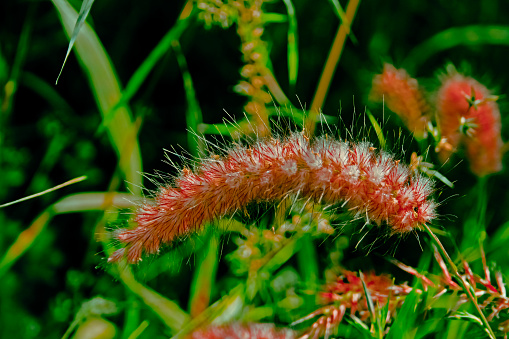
[(293, 48), (378, 129), (73, 203), (107, 92), (274, 18), (82, 16), (369, 300), (307, 259), (464, 315), (193, 114), (458, 36), (344, 19), (329, 68), (132, 316), (141, 74), (167, 310), (404, 326), (139, 330), (67, 183), (204, 274)]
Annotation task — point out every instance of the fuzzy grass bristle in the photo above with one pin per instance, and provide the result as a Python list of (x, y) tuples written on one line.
[(402, 95), (371, 184), (468, 115)]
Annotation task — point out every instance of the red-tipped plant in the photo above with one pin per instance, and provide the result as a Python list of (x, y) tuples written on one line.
[(468, 115), (371, 184), (241, 331), (402, 95)]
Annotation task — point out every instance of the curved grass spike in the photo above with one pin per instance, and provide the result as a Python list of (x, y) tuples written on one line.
[(105, 86), (372, 185)]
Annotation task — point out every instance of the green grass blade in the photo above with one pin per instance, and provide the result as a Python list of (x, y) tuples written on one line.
[(167, 310), (369, 299), (193, 114), (141, 74), (84, 10), (107, 92), (67, 183), (307, 259), (73, 203), (293, 50), (378, 129), (404, 326), (453, 37), (342, 16), (204, 275)]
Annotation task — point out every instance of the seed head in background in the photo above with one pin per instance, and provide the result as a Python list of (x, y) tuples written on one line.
[(468, 115), (402, 95), (241, 331)]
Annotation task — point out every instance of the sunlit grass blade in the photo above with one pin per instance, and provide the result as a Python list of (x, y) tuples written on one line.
[(344, 19), (86, 5), (107, 92), (72, 203), (204, 275), (139, 330), (274, 18), (330, 68), (453, 37), (222, 311), (67, 183), (132, 312), (24, 241), (307, 259), (378, 129), (293, 48), (167, 310), (404, 326), (193, 113), (369, 299)]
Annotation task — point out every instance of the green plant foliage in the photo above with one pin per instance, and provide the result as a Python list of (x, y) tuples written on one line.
[(172, 88)]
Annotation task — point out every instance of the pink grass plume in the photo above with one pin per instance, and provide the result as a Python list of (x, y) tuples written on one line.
[(371, 184), (468, 115), (402, 95)]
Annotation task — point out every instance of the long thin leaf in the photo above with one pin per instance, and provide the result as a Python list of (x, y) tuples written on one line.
[(67, 183), (168, 311), (84, 10), (293, 50), (107, 92), (72, 203), (453, 37), (141, 74), (193, 114), (330, 68), (204, 275), (344, 19)]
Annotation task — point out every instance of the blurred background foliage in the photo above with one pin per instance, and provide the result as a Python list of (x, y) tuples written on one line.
[(56, 276)]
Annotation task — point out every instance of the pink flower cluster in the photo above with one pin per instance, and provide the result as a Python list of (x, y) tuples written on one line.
[(371, 184), (242, 331), (402, 95), (468, 114), (346, 295)]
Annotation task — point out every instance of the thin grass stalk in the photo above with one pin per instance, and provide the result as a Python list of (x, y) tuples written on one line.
[(464, 284), (330, 67)]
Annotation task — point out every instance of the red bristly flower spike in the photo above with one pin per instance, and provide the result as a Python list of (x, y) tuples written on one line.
[(370, 184), (468, 114), (402, 95)]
